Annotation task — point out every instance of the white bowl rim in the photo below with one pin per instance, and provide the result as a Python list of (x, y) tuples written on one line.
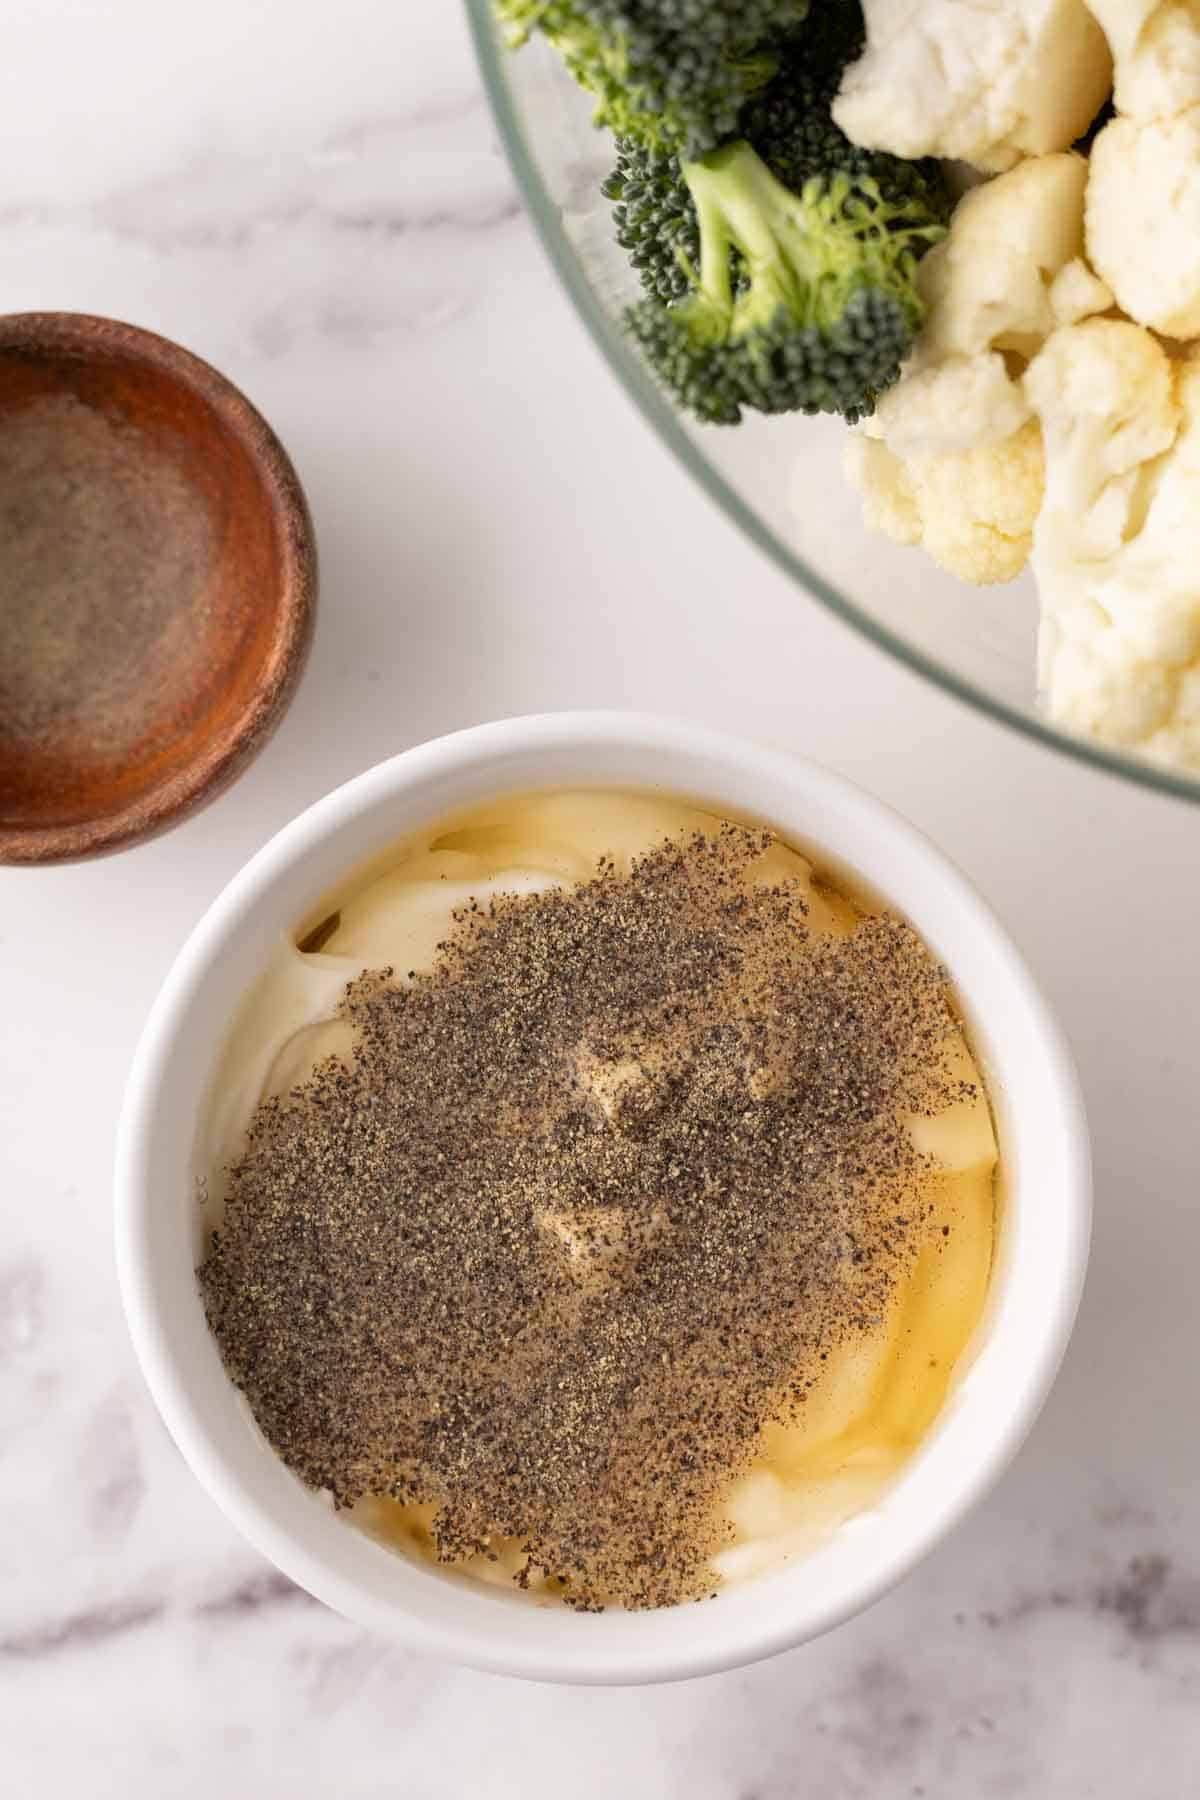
[(478, 1626)]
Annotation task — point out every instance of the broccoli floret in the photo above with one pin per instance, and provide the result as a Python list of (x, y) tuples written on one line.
[(791, 127), (673, 75), (655, 218), (779, 266), (829, 305)]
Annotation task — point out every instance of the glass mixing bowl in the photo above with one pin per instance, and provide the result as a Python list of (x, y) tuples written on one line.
[(780, 479)]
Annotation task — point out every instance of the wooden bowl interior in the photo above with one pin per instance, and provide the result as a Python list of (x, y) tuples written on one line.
[(147, 571)]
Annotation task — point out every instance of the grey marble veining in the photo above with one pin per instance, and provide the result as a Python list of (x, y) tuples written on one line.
[(329, 219)]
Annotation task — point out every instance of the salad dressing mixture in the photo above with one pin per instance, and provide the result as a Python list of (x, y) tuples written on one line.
[(600, 1201)]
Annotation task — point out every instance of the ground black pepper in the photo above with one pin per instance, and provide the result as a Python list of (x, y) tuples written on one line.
[(586, 1212)]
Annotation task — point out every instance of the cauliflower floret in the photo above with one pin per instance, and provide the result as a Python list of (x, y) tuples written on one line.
[(888, 496), (1117, 543), (954, 404), (971, 510), (1104, 392), (978, 508), (988, 282), (1075, 293), (1143, 204), (978, 81), (1155, 47), (952, 458), (1143, 218)]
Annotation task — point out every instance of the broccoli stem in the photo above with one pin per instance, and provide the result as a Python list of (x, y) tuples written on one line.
[(802, 251), (724, 186), (715, 241), (797, 251)]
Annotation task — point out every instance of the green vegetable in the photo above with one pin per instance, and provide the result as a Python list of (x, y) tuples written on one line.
[(673, 75), (829, 305), (791, 127), (655, 218), (779, 266)]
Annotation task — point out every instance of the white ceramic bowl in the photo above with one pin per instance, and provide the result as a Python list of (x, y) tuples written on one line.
[(1035, 1288)]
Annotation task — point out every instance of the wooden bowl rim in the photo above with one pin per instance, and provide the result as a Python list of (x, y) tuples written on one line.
[(221, 757)]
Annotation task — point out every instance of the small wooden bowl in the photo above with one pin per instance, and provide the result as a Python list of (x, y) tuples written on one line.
[(158, 578)]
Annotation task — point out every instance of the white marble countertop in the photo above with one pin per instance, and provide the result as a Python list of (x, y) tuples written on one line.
[(310, 195)]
